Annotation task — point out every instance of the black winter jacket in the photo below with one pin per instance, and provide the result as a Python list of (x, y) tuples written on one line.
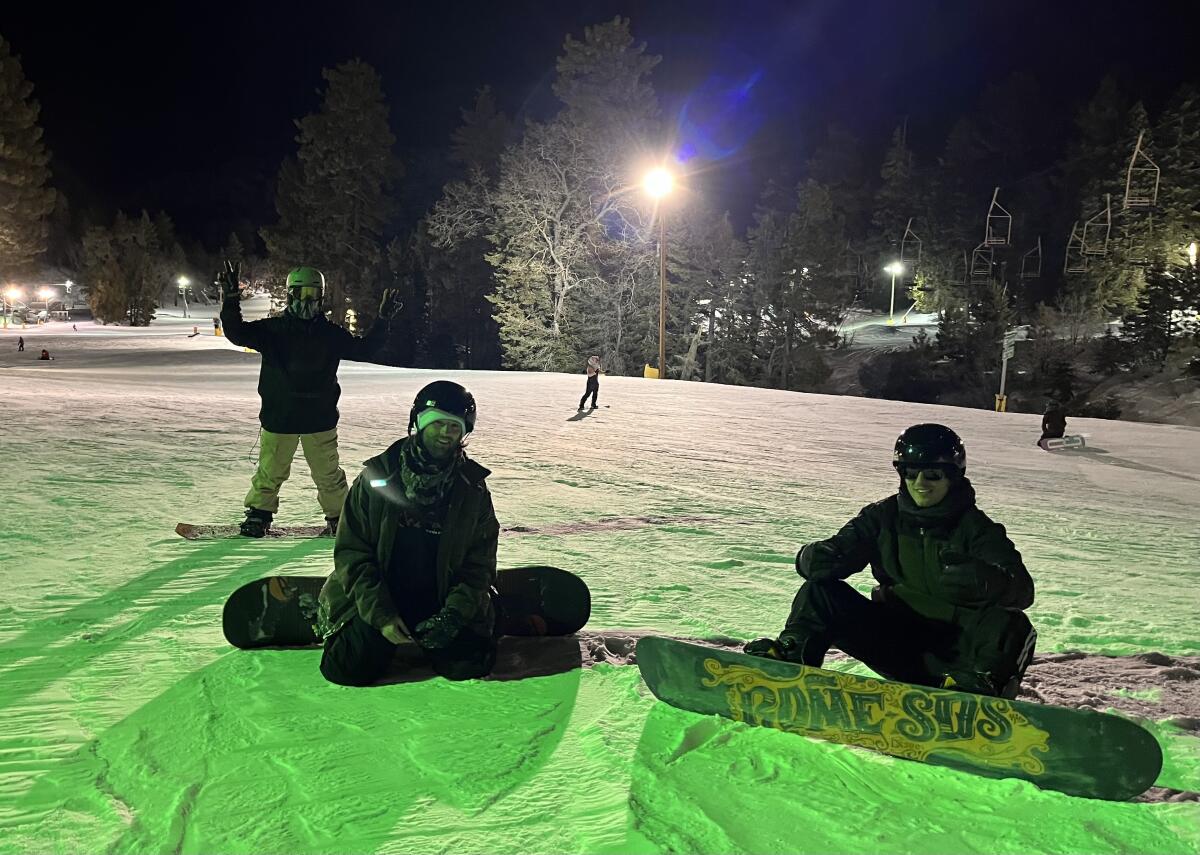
[(298, 380), (907, 546)]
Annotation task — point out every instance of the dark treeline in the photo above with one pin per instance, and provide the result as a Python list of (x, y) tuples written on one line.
[(544, 248)]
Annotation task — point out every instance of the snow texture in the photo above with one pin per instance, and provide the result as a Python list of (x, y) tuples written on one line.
[(127, 724)]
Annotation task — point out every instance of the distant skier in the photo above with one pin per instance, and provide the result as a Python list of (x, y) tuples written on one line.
[(20, 343), (1054, 423), (298, 387), (45, 354), (74, 328), (415, 556), (948, 609), (593, 381)]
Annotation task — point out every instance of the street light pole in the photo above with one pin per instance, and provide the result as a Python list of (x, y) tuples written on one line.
[(894, 268), (662, 295), (658, 183)]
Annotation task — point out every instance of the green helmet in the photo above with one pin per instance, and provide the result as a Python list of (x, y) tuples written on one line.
[(305, 290)]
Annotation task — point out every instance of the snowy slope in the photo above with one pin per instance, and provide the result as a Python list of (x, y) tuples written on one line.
[(127, 724)]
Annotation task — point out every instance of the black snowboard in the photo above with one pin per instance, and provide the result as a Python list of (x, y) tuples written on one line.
[(280, 611)]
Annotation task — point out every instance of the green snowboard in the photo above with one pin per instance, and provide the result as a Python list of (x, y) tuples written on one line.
[(1079, 752), (279, 611)]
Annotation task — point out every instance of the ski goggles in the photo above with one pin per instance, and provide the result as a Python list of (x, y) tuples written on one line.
[(932, 475), (305, 294)]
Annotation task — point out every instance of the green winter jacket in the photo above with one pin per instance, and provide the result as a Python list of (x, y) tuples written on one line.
[(906, 546), (371, 516)]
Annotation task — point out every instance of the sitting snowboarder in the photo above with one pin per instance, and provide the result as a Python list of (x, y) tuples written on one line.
[(1054, 423), (948, 607), (415, 556)]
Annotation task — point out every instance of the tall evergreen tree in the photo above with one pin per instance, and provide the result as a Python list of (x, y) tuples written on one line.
[(127, 268), (333, 199), (1166, 313), (26, 200), (560, 210)]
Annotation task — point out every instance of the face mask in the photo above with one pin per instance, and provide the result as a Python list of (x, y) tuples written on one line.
[(304, 302)]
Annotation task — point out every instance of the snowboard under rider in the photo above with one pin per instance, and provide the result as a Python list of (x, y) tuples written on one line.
[(948, 607), (298, 387), (415, 556), (593, 381)]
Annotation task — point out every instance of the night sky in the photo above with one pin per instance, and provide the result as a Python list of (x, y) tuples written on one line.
[(189, 107)]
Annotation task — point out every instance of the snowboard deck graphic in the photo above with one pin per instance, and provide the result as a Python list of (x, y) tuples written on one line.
[(280, 611), (1078, 752), (1056, 443), (218, 532)]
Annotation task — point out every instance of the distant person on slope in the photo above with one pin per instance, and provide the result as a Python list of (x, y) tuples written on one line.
[(948, 608), (20, 343), (593, 381), (1054, 422), (298, 387), (415, 557)]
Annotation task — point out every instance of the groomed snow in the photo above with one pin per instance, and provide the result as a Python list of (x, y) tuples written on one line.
[(127, 723)]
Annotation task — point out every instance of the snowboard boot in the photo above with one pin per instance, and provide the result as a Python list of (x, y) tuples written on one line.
[(331, 524), (789, 647), (256, 523)]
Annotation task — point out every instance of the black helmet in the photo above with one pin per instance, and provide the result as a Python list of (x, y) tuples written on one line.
[(447, 396), (930, 445)]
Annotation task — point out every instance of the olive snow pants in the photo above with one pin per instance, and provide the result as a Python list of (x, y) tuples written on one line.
[(358, 655), (985, 651), (275, 465)]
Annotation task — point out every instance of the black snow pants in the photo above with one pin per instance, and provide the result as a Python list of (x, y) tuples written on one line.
[(593, 389), (358, 655), (985, 651)]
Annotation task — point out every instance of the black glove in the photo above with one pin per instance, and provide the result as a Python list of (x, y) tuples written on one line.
[(440, 630), (228, 280), (968, 582), (390, 304), (819, 561)]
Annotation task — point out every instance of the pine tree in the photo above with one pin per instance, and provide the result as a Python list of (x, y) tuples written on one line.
[(127, 268), (333, 200), (604, 80), (482, 136), (1165, 313), (568, 242), (25, 199)]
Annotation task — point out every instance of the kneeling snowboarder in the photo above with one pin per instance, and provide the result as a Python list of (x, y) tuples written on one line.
[(1054, 423), (415, 556), (948, 609)]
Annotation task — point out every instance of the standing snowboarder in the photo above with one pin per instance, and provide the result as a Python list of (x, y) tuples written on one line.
[(298, 388), (593, 381), (1054, 423), (948, 609), (415, 556), (20, 343)]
